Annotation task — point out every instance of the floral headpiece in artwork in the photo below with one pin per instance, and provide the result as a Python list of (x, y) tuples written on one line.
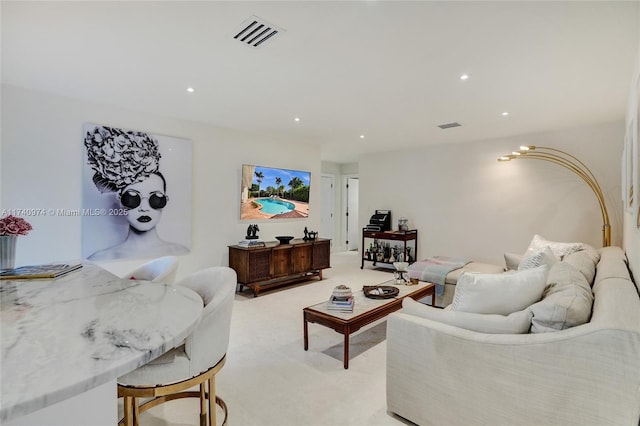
[(120, 157)]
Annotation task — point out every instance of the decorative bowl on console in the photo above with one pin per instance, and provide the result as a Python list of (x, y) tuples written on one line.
[(284, 239)]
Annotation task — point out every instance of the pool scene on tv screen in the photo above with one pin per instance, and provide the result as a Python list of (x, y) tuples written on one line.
[(272, 193)]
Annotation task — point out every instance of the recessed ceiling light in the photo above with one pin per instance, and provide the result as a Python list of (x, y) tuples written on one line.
[(190, 89), (505, 113), (296, 119), (464, 76), (361, 136)]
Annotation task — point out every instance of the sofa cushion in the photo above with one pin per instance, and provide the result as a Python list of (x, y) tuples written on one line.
[(559, 249), (566, 302), (537, 258), (499, 293), (613, 264), (584, 261), (515, 323), (485, 268)]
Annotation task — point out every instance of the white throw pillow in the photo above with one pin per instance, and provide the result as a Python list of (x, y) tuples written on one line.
[(515, 323), (559, 249), (499, 293), (533, 259)]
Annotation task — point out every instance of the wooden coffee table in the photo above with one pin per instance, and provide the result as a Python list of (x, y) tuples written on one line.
[(365, 311)]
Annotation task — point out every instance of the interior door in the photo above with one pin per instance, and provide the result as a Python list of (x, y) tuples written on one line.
[(353, 230), (327, 223)]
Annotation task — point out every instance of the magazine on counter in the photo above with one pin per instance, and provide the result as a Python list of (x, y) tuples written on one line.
[(53, 270)]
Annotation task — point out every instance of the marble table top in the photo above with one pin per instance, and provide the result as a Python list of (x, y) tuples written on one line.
[(62, 337)]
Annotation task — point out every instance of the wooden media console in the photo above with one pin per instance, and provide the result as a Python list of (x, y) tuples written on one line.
[(275, 264)]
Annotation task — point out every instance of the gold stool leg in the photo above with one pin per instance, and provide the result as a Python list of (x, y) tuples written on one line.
[(203, 405), (223, 405), (212, 398), (136, 411), (128, 415)]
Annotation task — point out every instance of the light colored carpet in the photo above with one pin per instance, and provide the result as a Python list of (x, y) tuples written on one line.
[(269, 379)]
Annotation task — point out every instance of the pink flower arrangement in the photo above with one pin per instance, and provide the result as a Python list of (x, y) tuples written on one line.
[(12, 225)]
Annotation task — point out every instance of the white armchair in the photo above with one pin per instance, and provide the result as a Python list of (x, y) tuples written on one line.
[(162, 269), (196, 362)]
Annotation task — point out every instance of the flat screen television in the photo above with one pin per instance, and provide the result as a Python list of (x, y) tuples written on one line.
[(271, 193)]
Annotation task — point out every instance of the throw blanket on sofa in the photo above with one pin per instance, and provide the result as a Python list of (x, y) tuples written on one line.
[(435, 270)]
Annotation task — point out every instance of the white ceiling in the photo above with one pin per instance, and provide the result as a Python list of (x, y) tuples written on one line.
[(386, 69)]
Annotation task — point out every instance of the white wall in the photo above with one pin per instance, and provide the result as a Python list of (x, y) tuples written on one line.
[(41, 167), (462, 200), (631, 238), (465, 203)]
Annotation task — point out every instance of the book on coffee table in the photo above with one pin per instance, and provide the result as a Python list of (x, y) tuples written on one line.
[(53, 270), (343, 304)]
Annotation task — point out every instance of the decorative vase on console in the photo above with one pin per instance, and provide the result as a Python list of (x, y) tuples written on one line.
[(10, 228)]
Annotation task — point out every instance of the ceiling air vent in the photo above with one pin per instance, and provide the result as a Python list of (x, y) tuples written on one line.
[(255, 31), (449, 125)]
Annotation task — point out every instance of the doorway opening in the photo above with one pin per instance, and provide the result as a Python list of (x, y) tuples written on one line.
[(327, 221), (352, 231)]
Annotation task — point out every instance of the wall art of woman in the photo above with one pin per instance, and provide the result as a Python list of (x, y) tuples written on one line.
[(126, 166)]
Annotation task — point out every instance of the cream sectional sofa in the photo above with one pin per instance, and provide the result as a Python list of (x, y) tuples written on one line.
[(589, 374)]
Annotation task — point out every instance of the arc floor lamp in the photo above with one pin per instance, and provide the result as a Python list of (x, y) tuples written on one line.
[(569, 162)]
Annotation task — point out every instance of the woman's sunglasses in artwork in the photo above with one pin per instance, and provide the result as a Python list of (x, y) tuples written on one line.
[(132, 199)]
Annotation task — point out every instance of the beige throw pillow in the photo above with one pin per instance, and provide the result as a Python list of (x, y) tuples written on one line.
[(512, 260), (515, 323), (567, 300), (584, 261), (499, 293)]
